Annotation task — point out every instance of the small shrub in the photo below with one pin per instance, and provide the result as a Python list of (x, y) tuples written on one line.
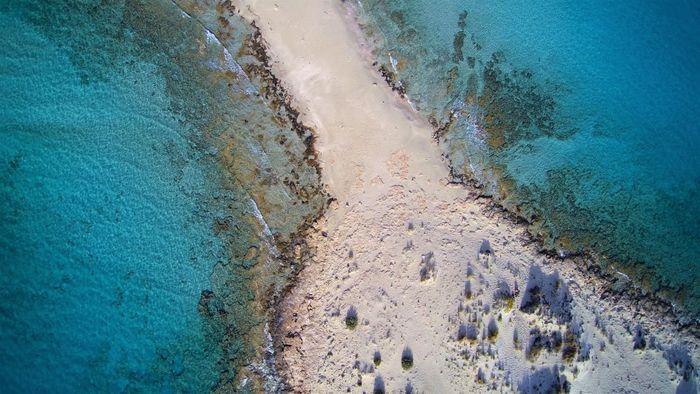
[(468, 290), (570, 346), (639, 341), (535, 345), (351, 318), (379, 385), (503, 297), (377, 358), (461, 332), (492, 330), (555, 340), (510, 303), (427, 269), (471, 332), (480, 376), (407, 358)]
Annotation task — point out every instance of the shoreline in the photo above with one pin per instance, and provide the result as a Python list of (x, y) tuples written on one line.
[(609, 273), (277, 259), (580, 260), (331, 221), (294, 251), (499, 188)]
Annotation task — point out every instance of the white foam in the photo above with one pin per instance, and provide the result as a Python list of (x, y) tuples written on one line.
[(211, 37), (258, 215), (393, 62)]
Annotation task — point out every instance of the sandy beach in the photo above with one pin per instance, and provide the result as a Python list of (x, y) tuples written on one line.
[(407, 262)]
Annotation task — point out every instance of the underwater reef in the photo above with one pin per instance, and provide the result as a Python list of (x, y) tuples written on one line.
[(156, 185)]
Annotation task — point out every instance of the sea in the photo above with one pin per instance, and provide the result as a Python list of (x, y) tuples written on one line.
[(581, 117), (152, 184)]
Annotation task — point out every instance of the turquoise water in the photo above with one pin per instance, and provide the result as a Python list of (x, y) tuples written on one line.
[(582, 117), (144, 184)]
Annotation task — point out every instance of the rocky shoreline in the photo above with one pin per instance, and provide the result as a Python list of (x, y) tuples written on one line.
[(499, 188), (560, 311)]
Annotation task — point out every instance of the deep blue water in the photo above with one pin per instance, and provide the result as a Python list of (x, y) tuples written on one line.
[(581, 116), (135, 198)]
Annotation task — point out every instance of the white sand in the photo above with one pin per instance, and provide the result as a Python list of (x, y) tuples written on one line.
[(381, 164)]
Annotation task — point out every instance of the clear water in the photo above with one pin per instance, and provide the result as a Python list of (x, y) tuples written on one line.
[(137, 203), (581, 116)]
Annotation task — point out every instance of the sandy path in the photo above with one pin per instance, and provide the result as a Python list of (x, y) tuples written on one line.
[(394, 207)]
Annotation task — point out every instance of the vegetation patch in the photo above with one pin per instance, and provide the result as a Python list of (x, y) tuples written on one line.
[(407, 358), (351, 318)]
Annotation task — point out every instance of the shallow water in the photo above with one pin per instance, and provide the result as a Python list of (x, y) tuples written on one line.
[(145, 184), (580, 116)]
